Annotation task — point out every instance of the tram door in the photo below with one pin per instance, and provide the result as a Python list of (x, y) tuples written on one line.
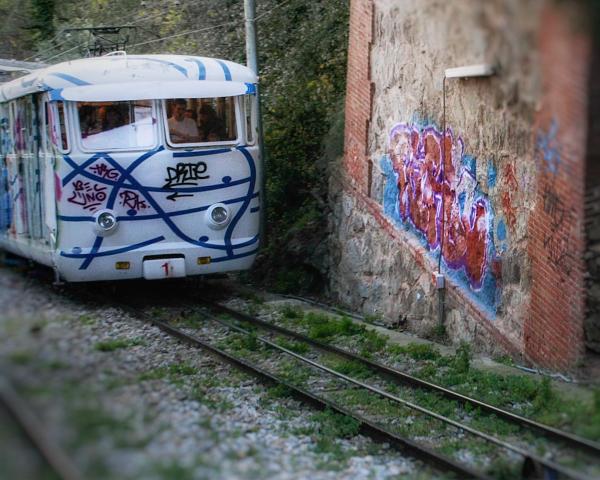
[(24, 169)]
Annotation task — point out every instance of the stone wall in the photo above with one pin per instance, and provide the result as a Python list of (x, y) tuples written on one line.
[(469, 193)]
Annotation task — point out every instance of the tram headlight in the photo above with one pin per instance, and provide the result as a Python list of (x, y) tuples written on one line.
[(105, 222), (218, 216)]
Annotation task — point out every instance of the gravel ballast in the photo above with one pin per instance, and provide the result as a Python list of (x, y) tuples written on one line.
[(125, 400)]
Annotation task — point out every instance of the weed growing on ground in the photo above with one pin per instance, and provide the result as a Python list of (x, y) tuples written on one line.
[(325, 328), (279, 391), (530, 396), (374, 318), (352, 368), (173, 372), (86, 319), (292, 312), (117, 344), (212, 400), (93, 423), (241, 343), (326, 428), (297, 347), (174, 469), (191, 320), (504, 360), (21, 357), (253, 298), (438, 334), (294, 373)]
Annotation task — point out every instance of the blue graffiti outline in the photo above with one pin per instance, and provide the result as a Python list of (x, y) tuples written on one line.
[(126, 180), (488, 294), (547, 145)]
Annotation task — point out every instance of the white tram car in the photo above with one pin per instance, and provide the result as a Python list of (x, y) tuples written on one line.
[(131, 166)]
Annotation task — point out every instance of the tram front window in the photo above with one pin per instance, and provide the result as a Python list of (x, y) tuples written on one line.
[(195, 120), (116, 125)]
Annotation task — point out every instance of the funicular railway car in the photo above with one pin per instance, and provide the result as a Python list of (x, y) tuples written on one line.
[(131, 166)]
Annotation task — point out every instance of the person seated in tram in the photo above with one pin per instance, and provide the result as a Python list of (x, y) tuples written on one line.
[(113, 119), (181, 128), (211, 126)]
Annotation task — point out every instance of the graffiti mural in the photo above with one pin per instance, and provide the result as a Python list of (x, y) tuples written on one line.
[(558, 217), (437, 197)]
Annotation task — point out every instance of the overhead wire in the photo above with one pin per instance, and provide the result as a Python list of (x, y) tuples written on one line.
[(128, 20), (177, 35), (189, 32), (268, 12)]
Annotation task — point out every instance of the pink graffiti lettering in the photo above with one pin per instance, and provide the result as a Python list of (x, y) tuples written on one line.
[(104, 171), (132, 200), (416, 157), (88, 195)]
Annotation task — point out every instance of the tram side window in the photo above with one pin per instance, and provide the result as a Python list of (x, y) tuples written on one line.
[(116, 125), (201, 120), (63, 126), (249, 112), (56, 125)]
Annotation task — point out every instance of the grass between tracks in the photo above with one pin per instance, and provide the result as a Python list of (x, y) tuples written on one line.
[(523, 394), (527, 395)]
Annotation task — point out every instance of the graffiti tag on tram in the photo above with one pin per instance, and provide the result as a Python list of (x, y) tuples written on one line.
[(87, 195), (132, 201), (184, 174), (104, 171)]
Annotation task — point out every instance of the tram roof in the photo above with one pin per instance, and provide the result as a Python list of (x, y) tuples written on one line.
[(121, 77)]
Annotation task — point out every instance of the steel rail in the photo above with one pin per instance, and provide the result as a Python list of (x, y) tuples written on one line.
[(316, 303), (555, 433), (51, 453), (366, 426), (551, 467)]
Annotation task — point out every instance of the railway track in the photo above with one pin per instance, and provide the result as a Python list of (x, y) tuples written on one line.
[(401, 377), (531, 465), (54, 457)]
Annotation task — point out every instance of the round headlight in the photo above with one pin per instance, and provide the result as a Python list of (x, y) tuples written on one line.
[(218, 216), (105, 222)]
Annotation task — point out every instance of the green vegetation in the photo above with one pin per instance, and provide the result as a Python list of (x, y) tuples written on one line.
[(527, 395), (117, 344), (351, 368), (87, 319), (326, 428), (203, 393), (241, 343), (94, 422), (293, 372), (296, 347), (327, 328), (21, 357), (172, 372), (173, 469)]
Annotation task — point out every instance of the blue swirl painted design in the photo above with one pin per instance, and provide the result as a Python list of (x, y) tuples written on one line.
[(126, 180)]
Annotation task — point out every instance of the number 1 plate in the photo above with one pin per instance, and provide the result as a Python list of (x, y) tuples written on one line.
[(164, 268)]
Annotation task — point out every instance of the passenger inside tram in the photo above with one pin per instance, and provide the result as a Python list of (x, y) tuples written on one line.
[(182, 129)]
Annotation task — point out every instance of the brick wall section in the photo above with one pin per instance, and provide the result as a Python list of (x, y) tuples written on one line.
[(358, 93), (553, 331)]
